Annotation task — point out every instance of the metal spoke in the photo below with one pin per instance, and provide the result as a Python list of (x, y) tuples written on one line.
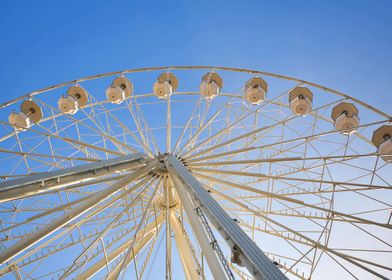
[(216, 182), (296, 201)]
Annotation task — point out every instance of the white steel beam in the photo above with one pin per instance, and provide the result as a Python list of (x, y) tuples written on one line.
[(50, 181), (284, 178), (352, 218), (128, 257), (168, 231), (352, 259), (112, 223), (142, 240), (249, 254), (212, 259), (72, 214), (184, 251)]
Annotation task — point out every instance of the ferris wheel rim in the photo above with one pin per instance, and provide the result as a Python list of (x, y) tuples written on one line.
[(195, 157), (200, 67)]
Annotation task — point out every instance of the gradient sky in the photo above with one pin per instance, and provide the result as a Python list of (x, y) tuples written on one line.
[(343, 44)]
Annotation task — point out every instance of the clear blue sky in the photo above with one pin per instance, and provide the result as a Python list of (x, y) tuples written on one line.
[(344, 44)]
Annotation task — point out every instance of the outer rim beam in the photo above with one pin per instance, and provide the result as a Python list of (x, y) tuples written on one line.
[(250, 71), (250, 254), (49, 181)]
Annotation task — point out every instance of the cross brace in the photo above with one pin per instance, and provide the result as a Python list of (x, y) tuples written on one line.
[(51, 181), (244, 249)]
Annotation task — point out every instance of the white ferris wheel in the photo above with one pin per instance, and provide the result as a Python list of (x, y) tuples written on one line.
[(194, 172)]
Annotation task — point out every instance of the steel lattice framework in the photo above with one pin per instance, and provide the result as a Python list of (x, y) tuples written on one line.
[(262, 177)]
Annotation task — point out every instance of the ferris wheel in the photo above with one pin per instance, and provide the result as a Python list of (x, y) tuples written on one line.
[(194, 172)]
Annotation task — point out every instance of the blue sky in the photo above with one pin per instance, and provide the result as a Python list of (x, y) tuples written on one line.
[(343, 44)]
